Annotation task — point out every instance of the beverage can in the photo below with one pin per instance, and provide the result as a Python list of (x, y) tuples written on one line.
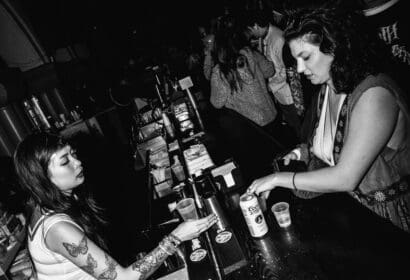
[(253, 215)]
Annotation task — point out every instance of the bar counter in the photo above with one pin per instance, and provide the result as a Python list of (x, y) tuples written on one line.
[(331, 237)]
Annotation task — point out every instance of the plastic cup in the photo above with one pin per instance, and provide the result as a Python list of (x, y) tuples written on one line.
[(282, 214), (186, 208)]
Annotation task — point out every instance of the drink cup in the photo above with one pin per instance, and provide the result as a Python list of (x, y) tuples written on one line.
[(282, 215), (186, 208)]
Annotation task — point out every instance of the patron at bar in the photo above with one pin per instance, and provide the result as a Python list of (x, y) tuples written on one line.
[(64, 239)]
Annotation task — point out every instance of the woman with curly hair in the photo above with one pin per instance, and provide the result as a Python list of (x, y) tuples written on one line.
[(64, 238), (361, 138)]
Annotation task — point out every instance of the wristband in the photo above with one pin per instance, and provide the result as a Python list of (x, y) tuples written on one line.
[(174, 239), (167, 246), (164, 250), (293, 181)]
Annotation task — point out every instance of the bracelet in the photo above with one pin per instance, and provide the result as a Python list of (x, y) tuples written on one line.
[(293, 181), (174, 239), (164, 250), (167, 246)]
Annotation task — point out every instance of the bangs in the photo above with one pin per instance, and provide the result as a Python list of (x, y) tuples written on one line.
[(45, 146)]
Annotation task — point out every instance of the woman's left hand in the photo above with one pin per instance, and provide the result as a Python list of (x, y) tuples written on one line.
[(263, 185)]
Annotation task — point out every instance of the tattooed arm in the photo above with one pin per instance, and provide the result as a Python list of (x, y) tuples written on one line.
[(149, 263), (70, 242)]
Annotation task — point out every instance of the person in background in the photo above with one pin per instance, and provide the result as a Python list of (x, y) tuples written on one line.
[(64, 237), (227, 23), (209, 46), (238, 79), (258, 22), (361, 138)]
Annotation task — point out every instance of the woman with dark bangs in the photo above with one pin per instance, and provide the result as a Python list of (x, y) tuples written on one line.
[(64, 222), (361, 138)]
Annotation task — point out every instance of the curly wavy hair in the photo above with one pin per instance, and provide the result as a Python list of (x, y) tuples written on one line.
[(31, 161), (344, 34)]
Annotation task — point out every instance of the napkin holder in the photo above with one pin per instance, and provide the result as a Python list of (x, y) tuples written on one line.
[(227, 177)]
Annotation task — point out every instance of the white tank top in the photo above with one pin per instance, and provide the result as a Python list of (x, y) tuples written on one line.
[(50, 265), (326, 130)]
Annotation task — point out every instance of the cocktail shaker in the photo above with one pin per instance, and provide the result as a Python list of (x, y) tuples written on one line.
[(212, 206)]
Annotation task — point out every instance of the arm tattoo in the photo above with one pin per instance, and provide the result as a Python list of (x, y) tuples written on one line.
[(110, 273), (91, 264), (75, 250), (150, 262)]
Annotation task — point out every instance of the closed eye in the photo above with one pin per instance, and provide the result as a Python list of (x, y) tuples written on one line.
[(65, 161), (73, 153)]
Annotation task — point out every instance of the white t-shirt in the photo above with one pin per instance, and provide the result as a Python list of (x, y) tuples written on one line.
[(50, 265)]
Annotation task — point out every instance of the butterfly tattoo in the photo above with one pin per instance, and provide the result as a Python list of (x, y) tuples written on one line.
[(75, 250), (91, 265), (110, 273)]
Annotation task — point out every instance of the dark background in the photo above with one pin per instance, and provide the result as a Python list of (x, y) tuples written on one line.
[(120, 25)]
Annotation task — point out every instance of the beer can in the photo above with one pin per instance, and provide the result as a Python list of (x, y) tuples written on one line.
[(253, 215)]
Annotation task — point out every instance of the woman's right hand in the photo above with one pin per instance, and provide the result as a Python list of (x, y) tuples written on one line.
[(193, 228), (263, 185)]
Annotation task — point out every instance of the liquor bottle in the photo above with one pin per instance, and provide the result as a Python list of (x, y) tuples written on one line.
[(168, 126), (40, 113), (178, 169), (32, 115), (197, 197)]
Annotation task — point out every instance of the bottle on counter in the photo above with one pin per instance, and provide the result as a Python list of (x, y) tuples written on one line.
[(197, 196), (32, 115), (178, 169), (40, 113), (168, 126)]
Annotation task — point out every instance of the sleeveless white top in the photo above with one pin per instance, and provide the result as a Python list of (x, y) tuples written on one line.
[(326, 130), (50, 265)]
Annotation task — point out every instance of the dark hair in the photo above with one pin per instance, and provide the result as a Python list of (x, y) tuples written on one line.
[(344, 34), (228, 44), (31, 160)]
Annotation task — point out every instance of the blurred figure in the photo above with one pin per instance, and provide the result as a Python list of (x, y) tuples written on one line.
[(209, 46), (238, 79), (259, 24)]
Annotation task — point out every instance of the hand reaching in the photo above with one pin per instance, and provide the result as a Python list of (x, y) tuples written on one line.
[(193, 228), (262, 185)]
